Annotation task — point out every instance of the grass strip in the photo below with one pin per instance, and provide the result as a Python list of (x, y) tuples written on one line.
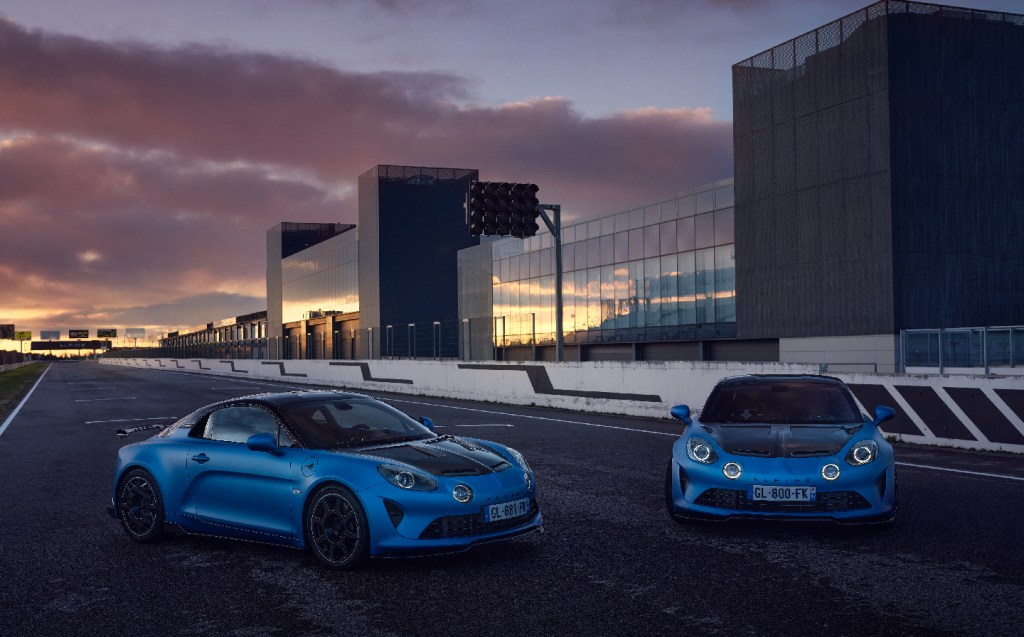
[(15, 383)]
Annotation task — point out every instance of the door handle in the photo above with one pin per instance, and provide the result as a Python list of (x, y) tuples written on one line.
[(201, 458)]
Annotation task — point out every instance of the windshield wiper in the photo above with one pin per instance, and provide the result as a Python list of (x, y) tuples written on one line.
[(354, 442), (392, 441), (439, 438)]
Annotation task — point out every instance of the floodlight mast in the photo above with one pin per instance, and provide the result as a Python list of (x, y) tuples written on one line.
[(555, 226)]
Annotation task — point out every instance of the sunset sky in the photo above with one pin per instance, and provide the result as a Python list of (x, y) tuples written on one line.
[(146, 145)]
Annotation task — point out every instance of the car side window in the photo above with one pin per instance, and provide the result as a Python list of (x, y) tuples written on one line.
[(236, 424)]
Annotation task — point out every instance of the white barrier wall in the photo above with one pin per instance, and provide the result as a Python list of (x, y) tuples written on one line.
[(974, 412)]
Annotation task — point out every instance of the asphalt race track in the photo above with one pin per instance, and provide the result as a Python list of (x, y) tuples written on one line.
[(611, 562)]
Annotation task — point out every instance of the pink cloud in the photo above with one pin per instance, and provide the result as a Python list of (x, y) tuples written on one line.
[(168, 165)]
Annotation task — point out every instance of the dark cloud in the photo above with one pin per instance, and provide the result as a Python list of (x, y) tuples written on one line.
[(133, 174)]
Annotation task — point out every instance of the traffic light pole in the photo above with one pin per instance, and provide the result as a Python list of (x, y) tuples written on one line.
[(556, 231)]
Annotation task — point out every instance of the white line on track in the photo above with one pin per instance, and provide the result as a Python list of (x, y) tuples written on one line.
[(93, 400), (970, 473), (493, 425), (93, 422), (14, 413), (660, 433), (502, 413)]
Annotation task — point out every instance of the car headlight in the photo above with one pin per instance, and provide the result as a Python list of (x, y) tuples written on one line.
[(406, 478), (700, 450), (518, 457), (862, 453)]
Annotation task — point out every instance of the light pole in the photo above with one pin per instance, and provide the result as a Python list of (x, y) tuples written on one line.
[(554, 224)]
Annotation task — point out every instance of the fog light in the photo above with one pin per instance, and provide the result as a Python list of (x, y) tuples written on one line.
[(732, 470), (830, 472), (462, 493)]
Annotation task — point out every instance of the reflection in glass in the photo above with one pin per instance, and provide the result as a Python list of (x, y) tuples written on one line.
[(704, 230), (724, 226), (705, 278), (663, 265)]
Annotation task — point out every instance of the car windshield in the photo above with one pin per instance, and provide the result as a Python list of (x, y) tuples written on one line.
[(795, 402), (351, 422)]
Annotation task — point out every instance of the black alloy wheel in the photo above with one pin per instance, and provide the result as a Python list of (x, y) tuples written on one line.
[(140, 507), (336, 528)]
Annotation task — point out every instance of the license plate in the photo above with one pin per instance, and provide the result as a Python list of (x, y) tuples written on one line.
[(506, 510), (770, 493)]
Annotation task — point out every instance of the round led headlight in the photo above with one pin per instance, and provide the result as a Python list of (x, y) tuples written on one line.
[(462, 493), (862, 453), (732, 470), (700, 450), (405, 479), (830, 472)]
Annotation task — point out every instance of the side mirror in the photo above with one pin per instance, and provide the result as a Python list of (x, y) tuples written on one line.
[(883, 413), (682, 412), (427, 422), (263, 442)]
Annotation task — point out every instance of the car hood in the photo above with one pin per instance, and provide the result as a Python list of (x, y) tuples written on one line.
[(442, 456), (782, 441)]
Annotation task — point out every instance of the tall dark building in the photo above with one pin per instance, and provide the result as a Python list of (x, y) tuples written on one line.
[(412, 222), (880, 177)]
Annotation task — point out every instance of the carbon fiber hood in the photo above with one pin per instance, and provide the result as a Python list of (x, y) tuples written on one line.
[(782, 441), (442, 456)]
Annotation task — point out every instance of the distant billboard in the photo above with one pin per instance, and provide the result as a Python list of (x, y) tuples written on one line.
[(23, 336), (135, 332), (78, 333), (50, 335), (76, 345), (106, 333), (7, 330)]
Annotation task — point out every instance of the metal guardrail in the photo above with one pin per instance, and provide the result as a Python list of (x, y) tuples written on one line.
[(981, 347)]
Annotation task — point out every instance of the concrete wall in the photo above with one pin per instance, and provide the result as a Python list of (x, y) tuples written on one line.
[(973, 412), (872, 353)]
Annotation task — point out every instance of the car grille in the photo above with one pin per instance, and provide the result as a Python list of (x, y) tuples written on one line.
[(826, 502), (469, 525)]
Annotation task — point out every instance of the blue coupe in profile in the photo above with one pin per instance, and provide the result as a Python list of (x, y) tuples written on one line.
[(782, 447), (342, 474)]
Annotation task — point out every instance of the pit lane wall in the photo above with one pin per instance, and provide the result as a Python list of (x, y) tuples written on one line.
[(971, 412)]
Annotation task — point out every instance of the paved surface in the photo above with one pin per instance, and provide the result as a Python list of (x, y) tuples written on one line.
[(610, 563)]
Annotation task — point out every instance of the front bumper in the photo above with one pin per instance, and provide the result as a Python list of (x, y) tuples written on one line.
[(860, 495), (416, 523)]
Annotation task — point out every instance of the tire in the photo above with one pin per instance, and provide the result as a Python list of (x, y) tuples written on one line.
[(140, 507), (336, 528)]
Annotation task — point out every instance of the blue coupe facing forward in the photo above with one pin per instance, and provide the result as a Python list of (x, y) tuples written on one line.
[(782, 447), (342, 474)]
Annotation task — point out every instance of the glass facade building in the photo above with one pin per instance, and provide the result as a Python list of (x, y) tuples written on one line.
[(322, 280), (663, 271)]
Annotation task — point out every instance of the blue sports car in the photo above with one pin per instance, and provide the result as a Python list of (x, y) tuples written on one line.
[(782, 447), (342, 474)]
